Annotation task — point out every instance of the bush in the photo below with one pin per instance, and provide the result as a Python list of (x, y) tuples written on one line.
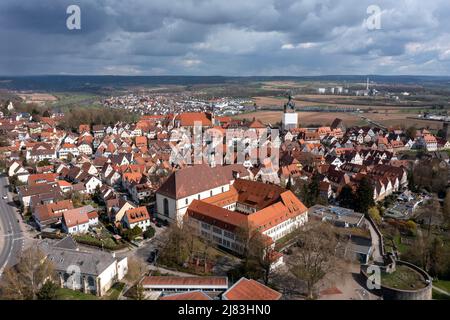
[(149, 233), (48, 291), (412, 227), (375, 215), (91, 241), (131, 234)]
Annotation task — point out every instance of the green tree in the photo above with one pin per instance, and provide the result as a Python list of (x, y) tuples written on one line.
[(97, 195), (309, 192), (411, 181), (364, 195), (132, 234), (411, 132), (48, 291), (43, 163), (346, 197), (149, 233)]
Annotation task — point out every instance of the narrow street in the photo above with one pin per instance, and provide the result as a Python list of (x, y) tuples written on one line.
[(12, 230)]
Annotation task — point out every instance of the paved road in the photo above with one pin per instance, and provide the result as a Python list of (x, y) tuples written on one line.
[(11, 239)]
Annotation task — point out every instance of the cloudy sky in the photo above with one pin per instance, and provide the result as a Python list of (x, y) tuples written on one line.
[(225, 37)]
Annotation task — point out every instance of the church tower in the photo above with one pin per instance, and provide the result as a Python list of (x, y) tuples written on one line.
[(290, 118)]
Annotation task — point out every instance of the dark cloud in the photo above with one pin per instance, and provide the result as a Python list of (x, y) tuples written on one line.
[(224, 37)]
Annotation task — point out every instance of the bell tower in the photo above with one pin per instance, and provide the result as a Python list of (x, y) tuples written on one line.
[(290, 117)]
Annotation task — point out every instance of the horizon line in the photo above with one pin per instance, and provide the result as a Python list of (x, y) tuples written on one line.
[(224, 76)]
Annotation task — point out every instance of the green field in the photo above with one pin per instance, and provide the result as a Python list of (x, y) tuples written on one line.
[(67, 294), (114, 292)]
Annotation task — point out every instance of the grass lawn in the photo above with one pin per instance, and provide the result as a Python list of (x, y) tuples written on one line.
[(114, 292), (442, 284), (403, 278), (67, 294), (280, 243), (439, 296), (402, 247)]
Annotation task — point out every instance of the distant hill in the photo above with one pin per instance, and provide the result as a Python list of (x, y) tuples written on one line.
[(95, 83)]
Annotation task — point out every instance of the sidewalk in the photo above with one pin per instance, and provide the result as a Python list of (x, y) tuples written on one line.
[(173, 272)]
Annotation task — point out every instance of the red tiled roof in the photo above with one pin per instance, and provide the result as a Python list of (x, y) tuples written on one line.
[(184, 281), (217, 216), (41, 178), (246, 289), (75, 217), (52, 210), (193, 295), (137, 214), (188, 119)]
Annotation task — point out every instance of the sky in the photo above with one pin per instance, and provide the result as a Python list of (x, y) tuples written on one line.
[(226, 37)]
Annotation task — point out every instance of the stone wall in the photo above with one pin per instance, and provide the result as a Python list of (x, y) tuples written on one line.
[(398, 294)]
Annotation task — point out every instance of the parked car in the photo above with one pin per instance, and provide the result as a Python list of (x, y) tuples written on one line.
[(5, 197), (152, 257)]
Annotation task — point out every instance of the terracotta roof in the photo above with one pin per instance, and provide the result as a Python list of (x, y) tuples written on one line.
[(34, 179), (73, 218), (77, 216), (132, 176), (184, 281), (141, 141), (275, 214), (246, 289), (137, 214), (217, 216), (64, 183), (52, 210), (272, 211), (430, 139), (257, 124), (68, 146), (187, 119), (192, 295), (256, 194)]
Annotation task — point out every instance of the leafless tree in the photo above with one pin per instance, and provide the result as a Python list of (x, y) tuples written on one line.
[(24, 280), (431, 212), (136, 271), (316, 256), (256, 252)]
